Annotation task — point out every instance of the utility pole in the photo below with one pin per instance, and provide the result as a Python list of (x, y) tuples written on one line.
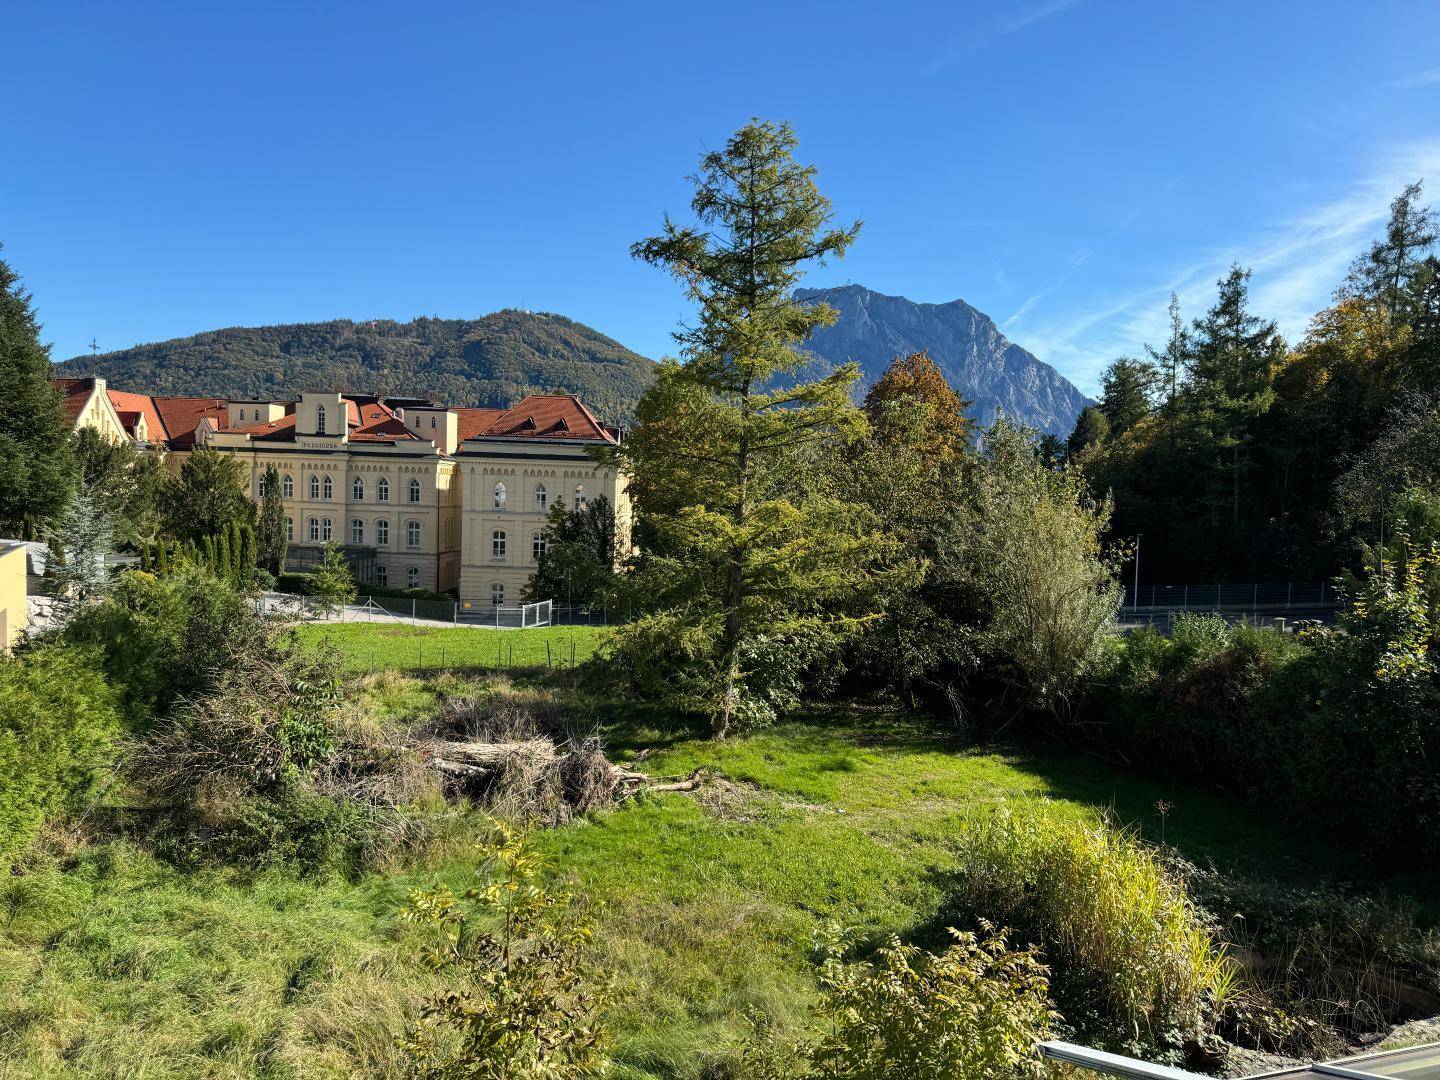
[(1136, 604)]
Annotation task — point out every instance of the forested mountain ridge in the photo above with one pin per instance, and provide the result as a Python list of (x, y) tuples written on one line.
[(493, 360), (975, 357)]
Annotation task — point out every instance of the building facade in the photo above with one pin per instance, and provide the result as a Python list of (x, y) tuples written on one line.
[(417, 495), (515, 466), (14, 599)]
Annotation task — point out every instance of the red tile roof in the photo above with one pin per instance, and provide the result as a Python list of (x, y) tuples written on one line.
[(74, 394), (542, 416), (182, 415), (473, 422), (144, 405)]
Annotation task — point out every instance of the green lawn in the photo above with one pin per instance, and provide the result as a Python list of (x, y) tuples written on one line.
[(113, 964), (387, 645)]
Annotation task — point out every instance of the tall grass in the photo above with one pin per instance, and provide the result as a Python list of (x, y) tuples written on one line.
[(1134, 964)]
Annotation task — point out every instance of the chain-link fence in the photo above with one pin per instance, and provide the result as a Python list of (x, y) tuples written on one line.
[(1254, 597)]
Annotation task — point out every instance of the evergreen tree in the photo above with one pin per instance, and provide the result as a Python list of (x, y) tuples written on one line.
[(1171, 365), (1128, 386), (1092, 428), (271, 529), (331, 582), (84, 537), (755, 553), (248, 559), (37, 463), (578, 562), (1232, 368), (1386, 273), (210, 493)]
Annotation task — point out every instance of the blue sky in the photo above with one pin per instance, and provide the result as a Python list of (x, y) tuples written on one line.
[(1060, 164)]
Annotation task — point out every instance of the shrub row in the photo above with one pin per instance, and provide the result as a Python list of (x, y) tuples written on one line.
[(1333, 729)]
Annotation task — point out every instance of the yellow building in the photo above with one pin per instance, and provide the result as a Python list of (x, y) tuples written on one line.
[(354, 473), (14, 603), (416, 494), (515, 465)]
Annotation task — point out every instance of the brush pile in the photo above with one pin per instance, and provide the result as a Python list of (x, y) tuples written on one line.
[(518, 760)]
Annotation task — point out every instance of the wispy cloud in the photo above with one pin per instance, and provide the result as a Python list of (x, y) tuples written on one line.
[(1419, 79), (983, 38), (1297, 262), (1031, 302)]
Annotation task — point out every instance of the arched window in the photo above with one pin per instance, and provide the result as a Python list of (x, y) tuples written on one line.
[(242, 414), (382, 575), (357, 489), (412, 577), (327, 489), (314, 529), (414, 490), (580, 497), (497, 593), (357, 531), (319, 419), (497, 544), (287, 487), (325, 530), (382, 531), (289, 529), (500, 496), (432, 423), (314, 486), (542, 498), (260, 485), (412, 534), (382, 490), (538, 545)]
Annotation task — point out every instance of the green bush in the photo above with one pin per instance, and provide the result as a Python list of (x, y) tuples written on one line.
[(1133, 965), (1333, 728), (159, 640), (58, 723), (517, 947)]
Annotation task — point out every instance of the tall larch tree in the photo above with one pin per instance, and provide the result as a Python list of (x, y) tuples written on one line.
[(37, 460), (755, 554)]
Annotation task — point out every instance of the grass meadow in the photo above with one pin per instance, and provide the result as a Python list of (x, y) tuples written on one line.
[(115, 963), (398, 647)]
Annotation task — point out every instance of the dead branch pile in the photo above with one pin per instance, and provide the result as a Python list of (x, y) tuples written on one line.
[(514, 762)]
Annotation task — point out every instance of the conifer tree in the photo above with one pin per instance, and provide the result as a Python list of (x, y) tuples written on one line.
[(1386, 273), (270, 539), (1128, 386), (37, 463), (1233, 362), (755, 554), (85, 536)]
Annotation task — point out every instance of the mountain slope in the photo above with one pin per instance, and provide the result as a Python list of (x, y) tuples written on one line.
[(976, 358), (493, 360)]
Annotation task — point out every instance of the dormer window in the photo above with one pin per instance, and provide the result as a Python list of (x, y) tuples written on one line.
[(562, 424)]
